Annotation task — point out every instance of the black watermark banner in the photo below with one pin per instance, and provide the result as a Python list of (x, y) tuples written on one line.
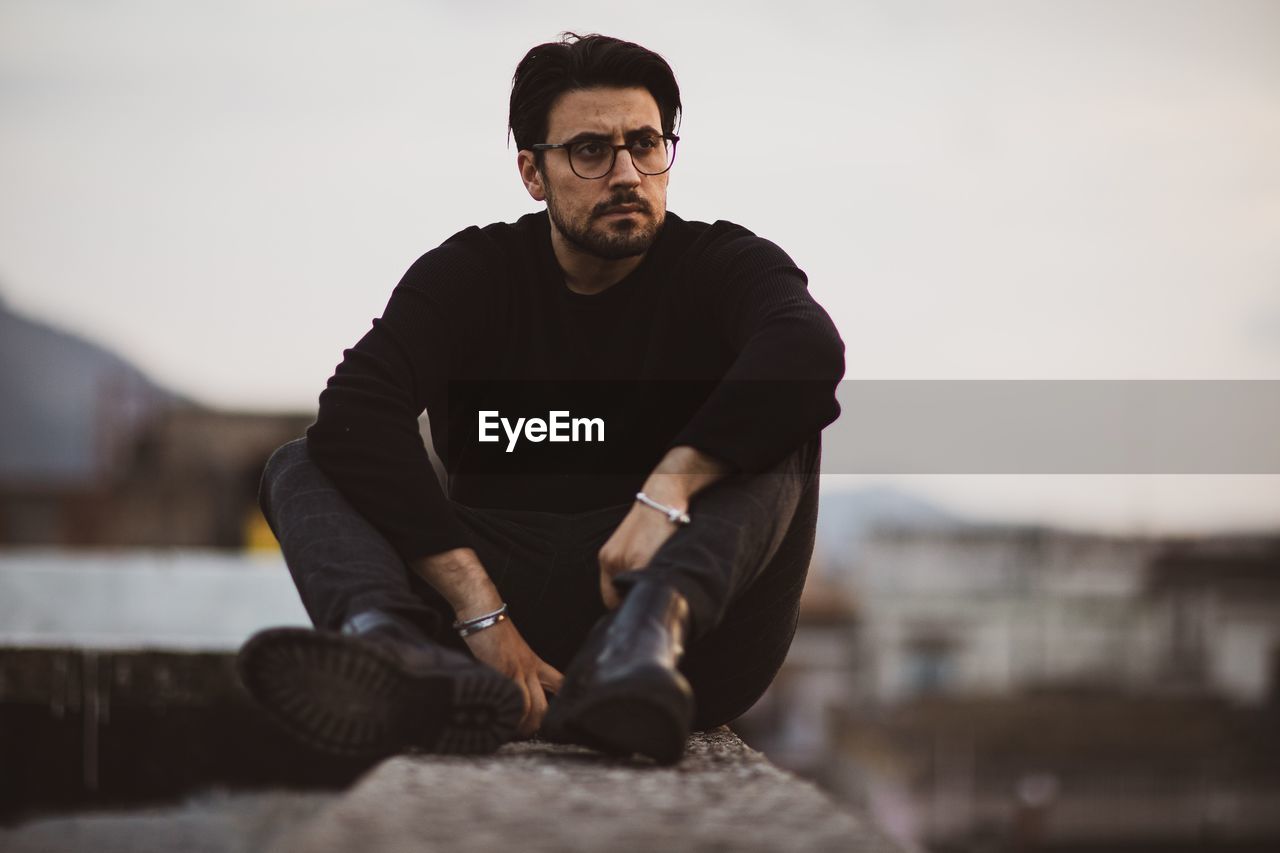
[(885, 426)]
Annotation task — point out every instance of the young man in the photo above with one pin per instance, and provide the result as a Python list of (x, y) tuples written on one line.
[(628, 408)]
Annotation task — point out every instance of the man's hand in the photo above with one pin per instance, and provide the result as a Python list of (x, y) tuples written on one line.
[(459, 576), (502, 648), (632, 546), (681, 474)]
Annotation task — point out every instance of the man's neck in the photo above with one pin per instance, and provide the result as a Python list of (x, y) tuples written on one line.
[(586, 273)]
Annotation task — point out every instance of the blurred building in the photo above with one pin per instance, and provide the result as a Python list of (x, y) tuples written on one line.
[(993, 610), (1216, 608), (92, 453), (187, 477), (793, 722), (1023, 688)]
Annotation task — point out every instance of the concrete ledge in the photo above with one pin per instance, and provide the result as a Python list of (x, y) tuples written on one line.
[(528, 796), (538, 796), (84, 729)]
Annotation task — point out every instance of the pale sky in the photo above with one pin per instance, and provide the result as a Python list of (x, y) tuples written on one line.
[(226, 192)]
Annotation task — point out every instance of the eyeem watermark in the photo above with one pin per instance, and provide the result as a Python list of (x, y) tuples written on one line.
[(558, 426)]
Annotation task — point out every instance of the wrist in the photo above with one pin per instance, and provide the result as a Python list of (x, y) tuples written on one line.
[(681, 474), (673, 513), (475, 624), (670, 489)]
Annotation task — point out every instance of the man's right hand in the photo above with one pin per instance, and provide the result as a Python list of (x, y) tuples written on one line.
[(502, 648), (460, 577)]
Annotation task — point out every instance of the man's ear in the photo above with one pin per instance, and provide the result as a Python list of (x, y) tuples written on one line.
[(530, 175)]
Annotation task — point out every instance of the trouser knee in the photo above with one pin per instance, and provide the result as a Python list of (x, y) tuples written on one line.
[(284, 457)]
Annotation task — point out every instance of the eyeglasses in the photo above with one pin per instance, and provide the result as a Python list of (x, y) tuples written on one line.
[(593, 159)]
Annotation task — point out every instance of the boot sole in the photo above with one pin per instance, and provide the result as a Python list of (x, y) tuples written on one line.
[(351, 698), (632, 718)]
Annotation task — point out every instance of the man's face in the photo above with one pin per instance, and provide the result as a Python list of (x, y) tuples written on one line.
[(619, 215)]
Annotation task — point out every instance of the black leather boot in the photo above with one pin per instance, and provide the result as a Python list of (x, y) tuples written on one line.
[(376, 688), (622, 693)]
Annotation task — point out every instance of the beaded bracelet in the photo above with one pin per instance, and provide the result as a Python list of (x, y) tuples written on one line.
[(675, 516)]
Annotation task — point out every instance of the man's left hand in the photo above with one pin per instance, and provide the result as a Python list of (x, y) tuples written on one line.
[(681, 474), (631, 546)]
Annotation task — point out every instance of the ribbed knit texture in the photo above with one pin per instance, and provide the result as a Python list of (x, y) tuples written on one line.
[(711, 302)]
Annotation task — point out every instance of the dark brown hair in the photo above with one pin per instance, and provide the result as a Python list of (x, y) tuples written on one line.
[(585, 62)]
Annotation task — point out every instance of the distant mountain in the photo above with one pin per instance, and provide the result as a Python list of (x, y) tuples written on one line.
[(846, 518), (65, 404)]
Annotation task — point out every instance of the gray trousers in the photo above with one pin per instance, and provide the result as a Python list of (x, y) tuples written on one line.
[(741, 564)]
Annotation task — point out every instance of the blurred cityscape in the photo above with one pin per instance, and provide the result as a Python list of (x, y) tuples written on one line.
[(977, 687), (981, 687)]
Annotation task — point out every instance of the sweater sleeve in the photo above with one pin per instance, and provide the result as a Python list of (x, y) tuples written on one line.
[(780, 389), (366, 436)]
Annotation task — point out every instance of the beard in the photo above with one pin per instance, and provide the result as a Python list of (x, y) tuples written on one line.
[(609, 240)]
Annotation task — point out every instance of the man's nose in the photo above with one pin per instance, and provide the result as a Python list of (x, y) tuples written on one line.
[(624, 171)]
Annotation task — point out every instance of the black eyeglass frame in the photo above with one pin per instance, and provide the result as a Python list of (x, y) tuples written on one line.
[(626, 146)]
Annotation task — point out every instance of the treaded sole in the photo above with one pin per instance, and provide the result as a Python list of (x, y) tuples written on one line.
[(348, 697)]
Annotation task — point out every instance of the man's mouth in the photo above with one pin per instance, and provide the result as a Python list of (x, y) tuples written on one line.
[(622, 209)]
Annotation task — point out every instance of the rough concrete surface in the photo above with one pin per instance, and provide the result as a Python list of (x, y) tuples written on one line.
[(532, 795)]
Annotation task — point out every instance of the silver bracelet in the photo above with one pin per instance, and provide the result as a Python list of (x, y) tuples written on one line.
[(675, 516), (467, 627)]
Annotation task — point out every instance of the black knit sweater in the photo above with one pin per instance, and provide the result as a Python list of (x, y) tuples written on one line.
[(713, 342)]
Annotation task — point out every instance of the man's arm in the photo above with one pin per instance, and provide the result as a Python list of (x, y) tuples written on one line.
[(460, 577), (778, 392), (366, 440), (366, 437)]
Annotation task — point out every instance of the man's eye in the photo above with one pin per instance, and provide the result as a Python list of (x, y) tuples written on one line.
[(645, 143), (588, 149)]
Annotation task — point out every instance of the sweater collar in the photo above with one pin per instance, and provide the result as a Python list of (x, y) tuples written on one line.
[(550, 272)]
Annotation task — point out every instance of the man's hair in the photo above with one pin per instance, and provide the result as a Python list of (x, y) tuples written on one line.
[(585, 62)]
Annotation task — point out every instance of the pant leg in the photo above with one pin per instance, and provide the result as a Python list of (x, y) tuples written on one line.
[(742, 565), (340, 563)]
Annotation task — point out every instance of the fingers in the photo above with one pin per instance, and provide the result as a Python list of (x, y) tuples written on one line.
[(549, 677), (610, 564), (608, 594), (523, 726), (538, 709)]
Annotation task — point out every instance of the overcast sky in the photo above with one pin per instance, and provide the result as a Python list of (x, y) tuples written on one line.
[(226, 192)]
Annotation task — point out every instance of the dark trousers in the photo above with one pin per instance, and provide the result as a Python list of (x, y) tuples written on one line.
[(741, 564)]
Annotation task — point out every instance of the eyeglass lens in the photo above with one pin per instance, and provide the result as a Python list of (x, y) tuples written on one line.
[(595, 159)]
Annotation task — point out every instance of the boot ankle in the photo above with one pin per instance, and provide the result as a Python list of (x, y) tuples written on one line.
[(656, 603), (379, 626)]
